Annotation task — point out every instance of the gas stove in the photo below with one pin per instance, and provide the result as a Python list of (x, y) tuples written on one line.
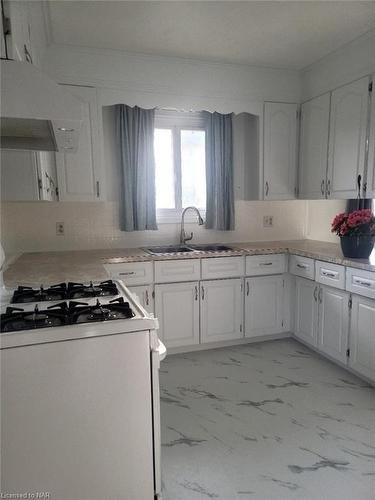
[(53, 312)]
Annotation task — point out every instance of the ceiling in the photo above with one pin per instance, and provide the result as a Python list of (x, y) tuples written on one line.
[(279, 34)]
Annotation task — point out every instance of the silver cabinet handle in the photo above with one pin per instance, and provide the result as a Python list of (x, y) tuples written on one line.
[(196, 292), (267, 188), (265, 263), (329, 274), (128, 273), (146, 298), (322, 187), (363, 283), (247, 288), (320, 295), (97, 189), (328, 187), (202, 292), (302, 266), (316, 293)]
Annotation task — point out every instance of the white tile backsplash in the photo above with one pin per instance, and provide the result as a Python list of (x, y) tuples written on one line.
[(28, 227)]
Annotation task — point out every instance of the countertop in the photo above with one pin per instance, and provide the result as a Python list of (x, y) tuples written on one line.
[(83, 265)]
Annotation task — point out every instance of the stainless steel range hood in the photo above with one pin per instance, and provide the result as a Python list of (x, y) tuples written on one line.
[(36, 113)]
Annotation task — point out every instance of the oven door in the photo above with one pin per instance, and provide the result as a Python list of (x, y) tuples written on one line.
[(158, 353)]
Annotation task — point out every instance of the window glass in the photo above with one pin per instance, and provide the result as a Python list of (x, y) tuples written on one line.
[(164, 168), (193, 168)]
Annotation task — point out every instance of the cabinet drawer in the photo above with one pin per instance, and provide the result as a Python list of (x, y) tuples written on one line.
[(222, 267), (360, 282), (170, 271), (265, 264), (330, 274), (302, 266), (131, 273)]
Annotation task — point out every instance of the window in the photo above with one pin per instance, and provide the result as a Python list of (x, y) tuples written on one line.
[(180, 163)]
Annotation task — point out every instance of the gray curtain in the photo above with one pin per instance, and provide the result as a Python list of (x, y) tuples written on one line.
[(219, 172), (135, 140)]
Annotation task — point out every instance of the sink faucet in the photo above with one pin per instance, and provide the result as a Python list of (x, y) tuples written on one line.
[(183, 237)]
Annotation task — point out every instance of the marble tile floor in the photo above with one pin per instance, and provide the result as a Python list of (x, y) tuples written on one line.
[(265, 421)]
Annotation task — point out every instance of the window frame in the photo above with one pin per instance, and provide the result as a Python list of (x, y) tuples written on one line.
[(177, 121)]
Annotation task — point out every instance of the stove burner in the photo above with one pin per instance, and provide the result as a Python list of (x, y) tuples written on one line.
[(61, 314), (61, 291)]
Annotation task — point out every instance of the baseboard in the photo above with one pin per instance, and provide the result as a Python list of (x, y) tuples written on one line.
[(227, 343)]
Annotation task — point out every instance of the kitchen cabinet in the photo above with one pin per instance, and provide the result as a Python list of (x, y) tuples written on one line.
[(314, 147), (28, 176), (370, 191), (145, 294), (264, 305), (347, 139), (280, 150), (221, 310), (306, 311), (79, 174), (177, 309), (362, 338), (333, 323)]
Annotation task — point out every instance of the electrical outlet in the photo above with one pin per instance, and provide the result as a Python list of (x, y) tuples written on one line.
[(60, 229), (268, 221)]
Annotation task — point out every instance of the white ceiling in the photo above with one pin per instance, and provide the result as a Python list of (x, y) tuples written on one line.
[(279, 34)]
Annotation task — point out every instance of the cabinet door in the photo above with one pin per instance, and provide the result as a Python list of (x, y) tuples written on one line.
[(263, 306), (333, 322), (177, 309), (79, 173), (221, 310), (145, 295), (370, 192), (280, 151), (362, 338), (306, 313), (19, 176), (314, 147), (347, 139)]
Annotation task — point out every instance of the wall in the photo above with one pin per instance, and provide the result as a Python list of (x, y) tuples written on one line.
[(319, 216), (350, 62), (28, 227)]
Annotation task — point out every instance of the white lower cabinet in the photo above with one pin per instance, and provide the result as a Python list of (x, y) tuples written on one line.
[(145, 295), (221, 310), (177, 309), (362, 336), (333, 324), (306, 312), (264, 305)]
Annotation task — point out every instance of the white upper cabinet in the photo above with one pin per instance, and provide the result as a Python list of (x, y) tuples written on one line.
[(79, 174), (28, 176), (370, 192), (347, 139), (280, 143), (314, 147), (221, 310)]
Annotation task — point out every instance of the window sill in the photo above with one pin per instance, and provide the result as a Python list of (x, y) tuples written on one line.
[(172, 216)]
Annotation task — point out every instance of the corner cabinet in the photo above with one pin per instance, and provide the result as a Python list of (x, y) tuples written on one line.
[(221, 310), (79, 174), (362, 338), (347, 139), (145, 295), (177, 309), (280, 151), (314, 147), (264, 306)]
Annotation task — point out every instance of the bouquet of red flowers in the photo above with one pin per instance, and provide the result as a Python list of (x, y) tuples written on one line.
[(357, 223)]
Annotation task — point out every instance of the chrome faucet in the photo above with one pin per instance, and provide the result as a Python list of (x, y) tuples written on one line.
[(183, 237)]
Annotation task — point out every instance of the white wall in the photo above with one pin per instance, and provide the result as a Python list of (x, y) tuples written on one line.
[(350, 62), (29, 227), (320, 214)]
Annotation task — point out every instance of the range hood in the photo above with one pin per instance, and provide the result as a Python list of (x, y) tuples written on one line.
[(36, 113)]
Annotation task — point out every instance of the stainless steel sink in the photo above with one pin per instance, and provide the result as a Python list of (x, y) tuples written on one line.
[(168, 249), (211, 248)]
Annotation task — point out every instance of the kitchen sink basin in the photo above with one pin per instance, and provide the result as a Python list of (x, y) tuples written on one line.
[(169, 249), (211, 248)]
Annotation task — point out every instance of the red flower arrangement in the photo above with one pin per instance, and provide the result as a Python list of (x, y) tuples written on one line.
[(357, 223)]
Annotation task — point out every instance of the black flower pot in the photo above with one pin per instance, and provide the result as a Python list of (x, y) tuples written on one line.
[(357, 247)]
